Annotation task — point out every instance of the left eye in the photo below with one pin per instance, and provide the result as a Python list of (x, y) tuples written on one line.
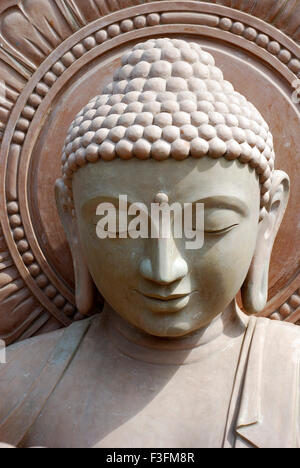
[(220, 231), (220, 221)]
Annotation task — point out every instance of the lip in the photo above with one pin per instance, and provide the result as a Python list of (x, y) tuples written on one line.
[(169, 298), (165, 304)]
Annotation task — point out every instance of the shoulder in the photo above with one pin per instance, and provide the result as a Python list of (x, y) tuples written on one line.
[(282, 335), (270, 397), (33, 368), (281, 373), (24, 362), (281, 345)]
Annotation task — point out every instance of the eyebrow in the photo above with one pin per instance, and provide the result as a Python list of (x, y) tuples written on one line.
[(105, 199), (225, 202), (220, 201)]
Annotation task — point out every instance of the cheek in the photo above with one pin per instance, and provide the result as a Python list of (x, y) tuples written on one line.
[(220, 268), (113, 263)]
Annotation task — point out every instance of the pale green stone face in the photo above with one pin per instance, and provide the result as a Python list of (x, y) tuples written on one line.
[(158, 285)]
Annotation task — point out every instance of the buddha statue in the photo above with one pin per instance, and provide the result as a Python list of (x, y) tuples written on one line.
[(172, 360)]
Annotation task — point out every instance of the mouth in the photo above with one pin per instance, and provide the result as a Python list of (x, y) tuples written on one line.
[(159, 303), (170, 298)]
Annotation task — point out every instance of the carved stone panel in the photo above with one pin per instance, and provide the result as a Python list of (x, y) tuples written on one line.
[(55, 55)]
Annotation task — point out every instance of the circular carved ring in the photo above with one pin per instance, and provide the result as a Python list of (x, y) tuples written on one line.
[(211, 22)]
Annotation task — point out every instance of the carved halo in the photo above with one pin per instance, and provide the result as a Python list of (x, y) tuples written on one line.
[(50, 55)]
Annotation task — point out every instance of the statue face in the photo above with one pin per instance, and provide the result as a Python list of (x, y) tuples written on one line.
[(158, 285)]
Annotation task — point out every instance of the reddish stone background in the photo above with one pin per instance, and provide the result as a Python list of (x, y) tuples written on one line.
[(25, 312)]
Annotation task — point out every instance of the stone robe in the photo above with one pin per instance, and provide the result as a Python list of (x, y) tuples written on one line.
[(264, 405)]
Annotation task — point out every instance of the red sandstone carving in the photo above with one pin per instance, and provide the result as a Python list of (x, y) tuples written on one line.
[(42, 50)]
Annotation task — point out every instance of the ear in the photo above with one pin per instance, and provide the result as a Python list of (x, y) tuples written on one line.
[(255, 287), (83, 281)]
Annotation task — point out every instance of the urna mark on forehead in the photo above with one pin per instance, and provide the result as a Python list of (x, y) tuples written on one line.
[(169, 100)]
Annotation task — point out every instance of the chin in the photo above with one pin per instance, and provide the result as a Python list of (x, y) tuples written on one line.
[(167, 326)]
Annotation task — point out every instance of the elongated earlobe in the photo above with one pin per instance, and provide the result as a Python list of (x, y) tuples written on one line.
[(84, 285), (255, 287)]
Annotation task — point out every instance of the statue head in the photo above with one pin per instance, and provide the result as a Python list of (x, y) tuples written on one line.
[(170, 124)]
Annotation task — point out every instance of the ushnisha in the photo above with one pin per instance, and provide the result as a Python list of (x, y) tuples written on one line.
[(168, 99)]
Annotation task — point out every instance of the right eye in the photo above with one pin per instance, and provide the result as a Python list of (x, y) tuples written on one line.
[(115, 228)]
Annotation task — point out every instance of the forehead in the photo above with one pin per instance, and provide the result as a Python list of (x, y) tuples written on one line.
[(186, 181)]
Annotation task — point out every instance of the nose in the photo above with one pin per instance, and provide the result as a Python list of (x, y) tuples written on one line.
[(164, 265)]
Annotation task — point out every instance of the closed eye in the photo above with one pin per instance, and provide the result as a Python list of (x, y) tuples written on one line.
[(219, 232)]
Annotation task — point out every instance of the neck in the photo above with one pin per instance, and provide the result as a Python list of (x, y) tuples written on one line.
[(215, 337)]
